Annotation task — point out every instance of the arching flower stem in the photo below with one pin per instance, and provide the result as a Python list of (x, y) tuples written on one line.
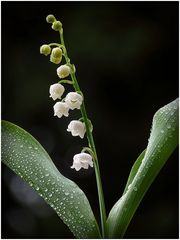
[(87, 149), (66, 81), (90, 141), (54, 44)]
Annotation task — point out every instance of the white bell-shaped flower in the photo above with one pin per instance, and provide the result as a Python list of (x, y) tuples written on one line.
[(73, 100), (56, 91), (82, 160), (77, 128), (60, 109), (63, 71)]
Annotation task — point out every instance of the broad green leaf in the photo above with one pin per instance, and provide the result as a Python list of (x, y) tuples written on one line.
[(162, 142), (27, 158)]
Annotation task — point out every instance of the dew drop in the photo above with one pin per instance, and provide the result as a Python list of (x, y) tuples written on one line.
[(168, 126), (162, 131)]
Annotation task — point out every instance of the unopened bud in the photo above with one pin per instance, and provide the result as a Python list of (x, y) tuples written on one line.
[(56, 52), (55, 60), (57, 25), (50, 18), (45, 49), (63, 71)]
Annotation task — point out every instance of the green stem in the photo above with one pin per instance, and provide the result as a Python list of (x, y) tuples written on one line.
[(54, 44), (66, 81), (91, 144)]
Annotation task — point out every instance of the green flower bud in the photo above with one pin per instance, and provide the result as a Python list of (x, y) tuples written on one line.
[(55, 60), (57, 25), (50, 18), (45, 49), (56, 52)]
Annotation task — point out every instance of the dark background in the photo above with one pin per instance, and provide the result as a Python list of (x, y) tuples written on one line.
[(126, 56)]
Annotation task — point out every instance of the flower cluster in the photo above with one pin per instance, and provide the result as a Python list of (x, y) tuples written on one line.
[(72, 100)]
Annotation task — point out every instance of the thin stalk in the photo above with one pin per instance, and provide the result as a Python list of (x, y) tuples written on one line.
[(91, 144), (66, 81), (54, 44)]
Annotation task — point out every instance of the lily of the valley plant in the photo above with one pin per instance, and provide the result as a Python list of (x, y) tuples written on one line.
[(26, 157)]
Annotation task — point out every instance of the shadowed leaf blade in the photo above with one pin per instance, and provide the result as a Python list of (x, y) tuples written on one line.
[(162, 142), (26, 157)]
